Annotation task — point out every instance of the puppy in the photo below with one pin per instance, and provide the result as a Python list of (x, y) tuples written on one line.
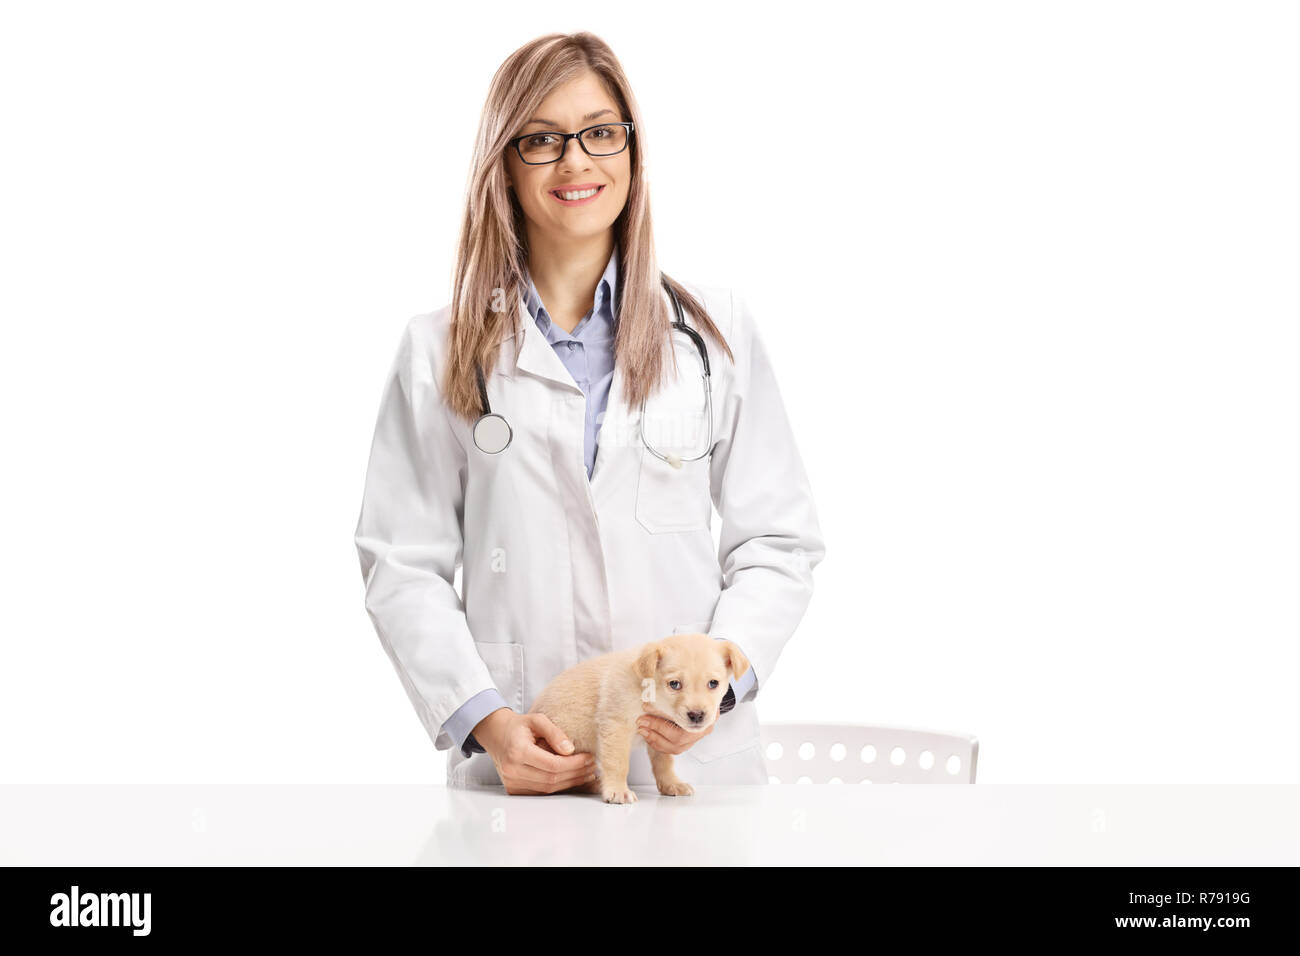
[(597, 702)]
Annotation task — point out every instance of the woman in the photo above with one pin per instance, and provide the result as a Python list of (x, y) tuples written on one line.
[(583, 519)]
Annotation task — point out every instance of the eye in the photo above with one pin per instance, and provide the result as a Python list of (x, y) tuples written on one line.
[(675, 684), (713, 685), (540, 139), (597, 133)]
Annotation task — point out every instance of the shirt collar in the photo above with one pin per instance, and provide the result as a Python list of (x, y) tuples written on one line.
[(606, 290)]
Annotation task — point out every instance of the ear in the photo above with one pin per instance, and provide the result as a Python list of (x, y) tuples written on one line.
[(735, 659), (648, 662)]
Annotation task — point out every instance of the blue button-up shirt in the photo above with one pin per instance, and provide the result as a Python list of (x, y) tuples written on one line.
[(588, 353)]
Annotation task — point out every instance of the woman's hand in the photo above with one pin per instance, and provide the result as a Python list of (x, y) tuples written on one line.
[(665, 736), (531, 754)]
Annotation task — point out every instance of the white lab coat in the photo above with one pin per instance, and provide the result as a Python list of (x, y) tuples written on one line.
[(557, 568)]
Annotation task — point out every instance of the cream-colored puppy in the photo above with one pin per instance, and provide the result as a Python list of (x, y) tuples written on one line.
[(596, 703)]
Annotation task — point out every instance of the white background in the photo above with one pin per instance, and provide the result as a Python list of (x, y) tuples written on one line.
[(1028, 272)]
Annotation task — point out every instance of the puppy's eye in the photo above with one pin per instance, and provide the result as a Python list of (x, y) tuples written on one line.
[(713, 685), (675, 684)]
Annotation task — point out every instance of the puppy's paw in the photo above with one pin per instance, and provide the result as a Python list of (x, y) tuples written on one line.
[(619, 795), (676, 788)]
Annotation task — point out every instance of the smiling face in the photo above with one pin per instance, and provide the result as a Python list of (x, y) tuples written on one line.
[(690, 674), (550, 217)]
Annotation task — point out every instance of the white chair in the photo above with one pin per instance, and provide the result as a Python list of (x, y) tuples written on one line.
[(856, 753)]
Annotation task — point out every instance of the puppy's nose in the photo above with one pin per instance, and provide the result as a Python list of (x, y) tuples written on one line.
[(695, 715)]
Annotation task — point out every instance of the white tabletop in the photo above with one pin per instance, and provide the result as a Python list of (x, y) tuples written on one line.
[(145, 825)]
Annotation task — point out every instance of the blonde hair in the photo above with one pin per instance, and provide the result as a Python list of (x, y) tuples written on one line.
[(492, 255)]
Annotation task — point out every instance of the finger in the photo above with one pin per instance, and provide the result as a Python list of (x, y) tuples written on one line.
[(544, 727), (568, 782), (674, 732), (546, 761), (547, 777), (677, 739), (679, 733), (661, 743), (661, 724), (654, 725), (540, 781), (548, 780)]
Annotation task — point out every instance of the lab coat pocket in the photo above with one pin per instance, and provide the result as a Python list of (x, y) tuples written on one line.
[(728, 737), (505, 662), (672, 499)]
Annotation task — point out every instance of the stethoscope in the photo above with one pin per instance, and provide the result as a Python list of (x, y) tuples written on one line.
[(492, 433)]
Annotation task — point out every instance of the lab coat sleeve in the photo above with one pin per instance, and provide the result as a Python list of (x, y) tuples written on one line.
[(409, 539), (770, 538), (467, 716), (736, 688)]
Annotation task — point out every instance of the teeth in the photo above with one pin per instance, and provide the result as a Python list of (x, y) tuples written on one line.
[(584, 194)]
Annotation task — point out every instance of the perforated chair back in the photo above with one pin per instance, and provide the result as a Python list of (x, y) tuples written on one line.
[(857, 753)]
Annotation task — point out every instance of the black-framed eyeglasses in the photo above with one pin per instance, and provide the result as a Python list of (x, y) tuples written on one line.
[(607, 139)]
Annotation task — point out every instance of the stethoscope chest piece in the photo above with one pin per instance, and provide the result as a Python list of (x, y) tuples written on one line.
[(492, 433)]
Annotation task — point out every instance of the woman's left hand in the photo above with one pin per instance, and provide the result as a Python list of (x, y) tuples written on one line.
[(665, 736)]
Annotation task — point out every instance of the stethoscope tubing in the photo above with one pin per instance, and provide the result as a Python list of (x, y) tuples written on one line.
[(488, 434), (698, 340)]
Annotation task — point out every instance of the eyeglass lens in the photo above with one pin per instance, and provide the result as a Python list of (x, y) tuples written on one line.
[(598, 141)]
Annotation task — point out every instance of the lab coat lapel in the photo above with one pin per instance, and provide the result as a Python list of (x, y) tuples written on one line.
[(536, 354)]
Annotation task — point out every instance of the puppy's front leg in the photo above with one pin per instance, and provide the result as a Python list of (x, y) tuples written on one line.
[(670, 784), (613, 750)]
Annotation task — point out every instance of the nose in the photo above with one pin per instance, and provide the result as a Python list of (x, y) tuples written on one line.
[(695, 715), (578, 157)]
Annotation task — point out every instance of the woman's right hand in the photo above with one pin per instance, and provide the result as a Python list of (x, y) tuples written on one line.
[(531, 754)]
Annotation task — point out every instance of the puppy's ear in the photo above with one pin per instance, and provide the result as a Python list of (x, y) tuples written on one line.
[(648, 662), (736, 660)]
